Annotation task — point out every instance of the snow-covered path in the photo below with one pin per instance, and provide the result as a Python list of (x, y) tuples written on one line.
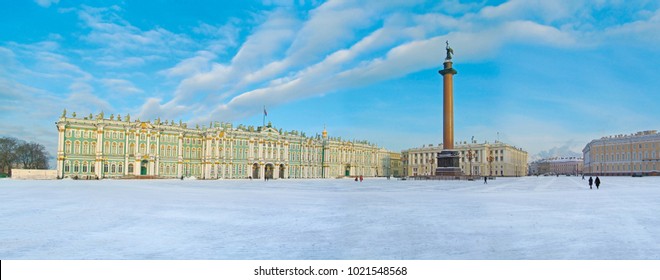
[(508, 218)]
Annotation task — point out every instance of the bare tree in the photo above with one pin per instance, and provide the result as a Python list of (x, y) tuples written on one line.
[(8, 146), (32, 156)]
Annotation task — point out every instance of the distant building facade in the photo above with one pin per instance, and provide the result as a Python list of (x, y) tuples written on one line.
[(557, 165), (507, 160), (623, 155), (99, 147)]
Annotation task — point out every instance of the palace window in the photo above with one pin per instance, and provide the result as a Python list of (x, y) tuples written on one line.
[(76, 167), (130, 168), (114, 168), (84, 168), (92, 168), (121, 148), (68, 147), (121, 168), (67, 167), (105, 167), (76, 147)]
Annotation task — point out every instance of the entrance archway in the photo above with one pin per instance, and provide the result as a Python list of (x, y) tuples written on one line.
[(143, 167), (269, 171), (347, 171), (281, 171), (255, 171)]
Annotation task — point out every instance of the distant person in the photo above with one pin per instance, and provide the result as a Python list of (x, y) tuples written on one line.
[(485, 180), (582, 176), (591, 182), (361, 178), (356, 178), (597, 182)]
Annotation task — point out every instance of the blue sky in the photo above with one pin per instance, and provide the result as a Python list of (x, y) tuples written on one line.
[(547, 76)]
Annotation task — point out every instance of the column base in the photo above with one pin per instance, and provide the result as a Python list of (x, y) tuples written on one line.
[(448, 164)]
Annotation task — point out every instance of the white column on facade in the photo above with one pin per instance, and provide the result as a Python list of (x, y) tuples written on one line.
[(60, 150), (99, 151), (126, 152), (179, 171), (157, 154)]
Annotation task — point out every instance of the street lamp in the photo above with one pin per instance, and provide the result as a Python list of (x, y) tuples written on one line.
[(470, 156), (430, 167)]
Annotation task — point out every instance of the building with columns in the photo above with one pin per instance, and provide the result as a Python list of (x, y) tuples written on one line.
[(556, 165), (477, 159), (100, 147), (623, 155)]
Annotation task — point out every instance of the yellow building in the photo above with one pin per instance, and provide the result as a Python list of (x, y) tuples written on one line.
[(98, 147), (505, 160), (623, 155)]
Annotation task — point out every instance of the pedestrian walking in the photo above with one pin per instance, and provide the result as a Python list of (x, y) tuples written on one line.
[(361, 178), (591, 182), (356, 178), (485, 180), (582, 176), (597, 182)]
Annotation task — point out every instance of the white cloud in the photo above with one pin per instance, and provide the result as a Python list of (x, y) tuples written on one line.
[(121, 87), (46, 3)]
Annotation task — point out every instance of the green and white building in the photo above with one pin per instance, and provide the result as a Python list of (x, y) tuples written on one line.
[(99, 147)]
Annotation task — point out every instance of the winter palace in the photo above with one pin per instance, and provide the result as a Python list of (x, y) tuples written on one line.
[(99, 147)]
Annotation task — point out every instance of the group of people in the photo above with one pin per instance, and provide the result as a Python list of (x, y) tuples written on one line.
[(592, 181), (360, 178)]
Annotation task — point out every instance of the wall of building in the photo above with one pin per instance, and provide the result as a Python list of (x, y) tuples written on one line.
[(623, 155), (506, 160), (33, 174), (99, 147)]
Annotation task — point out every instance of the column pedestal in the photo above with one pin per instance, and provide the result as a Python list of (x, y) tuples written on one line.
[(448, 164)]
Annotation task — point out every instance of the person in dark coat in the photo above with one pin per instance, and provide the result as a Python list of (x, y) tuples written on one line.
[(597, 182), (485, 180), (591, 182)]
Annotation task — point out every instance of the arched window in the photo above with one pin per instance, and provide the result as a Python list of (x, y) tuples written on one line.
[(85, 148), (93, 148), (105, 167), (131, 148), (92, 168), (114, 149), (121, 168), (152, 148), (121, 148), (68, 147), (84, 167), (143, 147), (106, 148), (113, 168), (76, 167), (130, 168), (67, 166), (76, 147)]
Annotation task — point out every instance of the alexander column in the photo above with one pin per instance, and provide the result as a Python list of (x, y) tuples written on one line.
[(448, 159)]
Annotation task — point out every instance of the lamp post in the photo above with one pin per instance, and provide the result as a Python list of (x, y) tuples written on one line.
[(470, 156), (490, 159), (431, 166)]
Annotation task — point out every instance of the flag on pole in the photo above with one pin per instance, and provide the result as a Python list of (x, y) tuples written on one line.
[(265, 113)]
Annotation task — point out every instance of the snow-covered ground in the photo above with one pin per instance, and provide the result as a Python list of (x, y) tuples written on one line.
[(509, 218)]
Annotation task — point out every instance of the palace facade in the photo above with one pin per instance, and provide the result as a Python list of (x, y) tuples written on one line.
[(556, 165), (478, 159), (98, 147), (631, 154)]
